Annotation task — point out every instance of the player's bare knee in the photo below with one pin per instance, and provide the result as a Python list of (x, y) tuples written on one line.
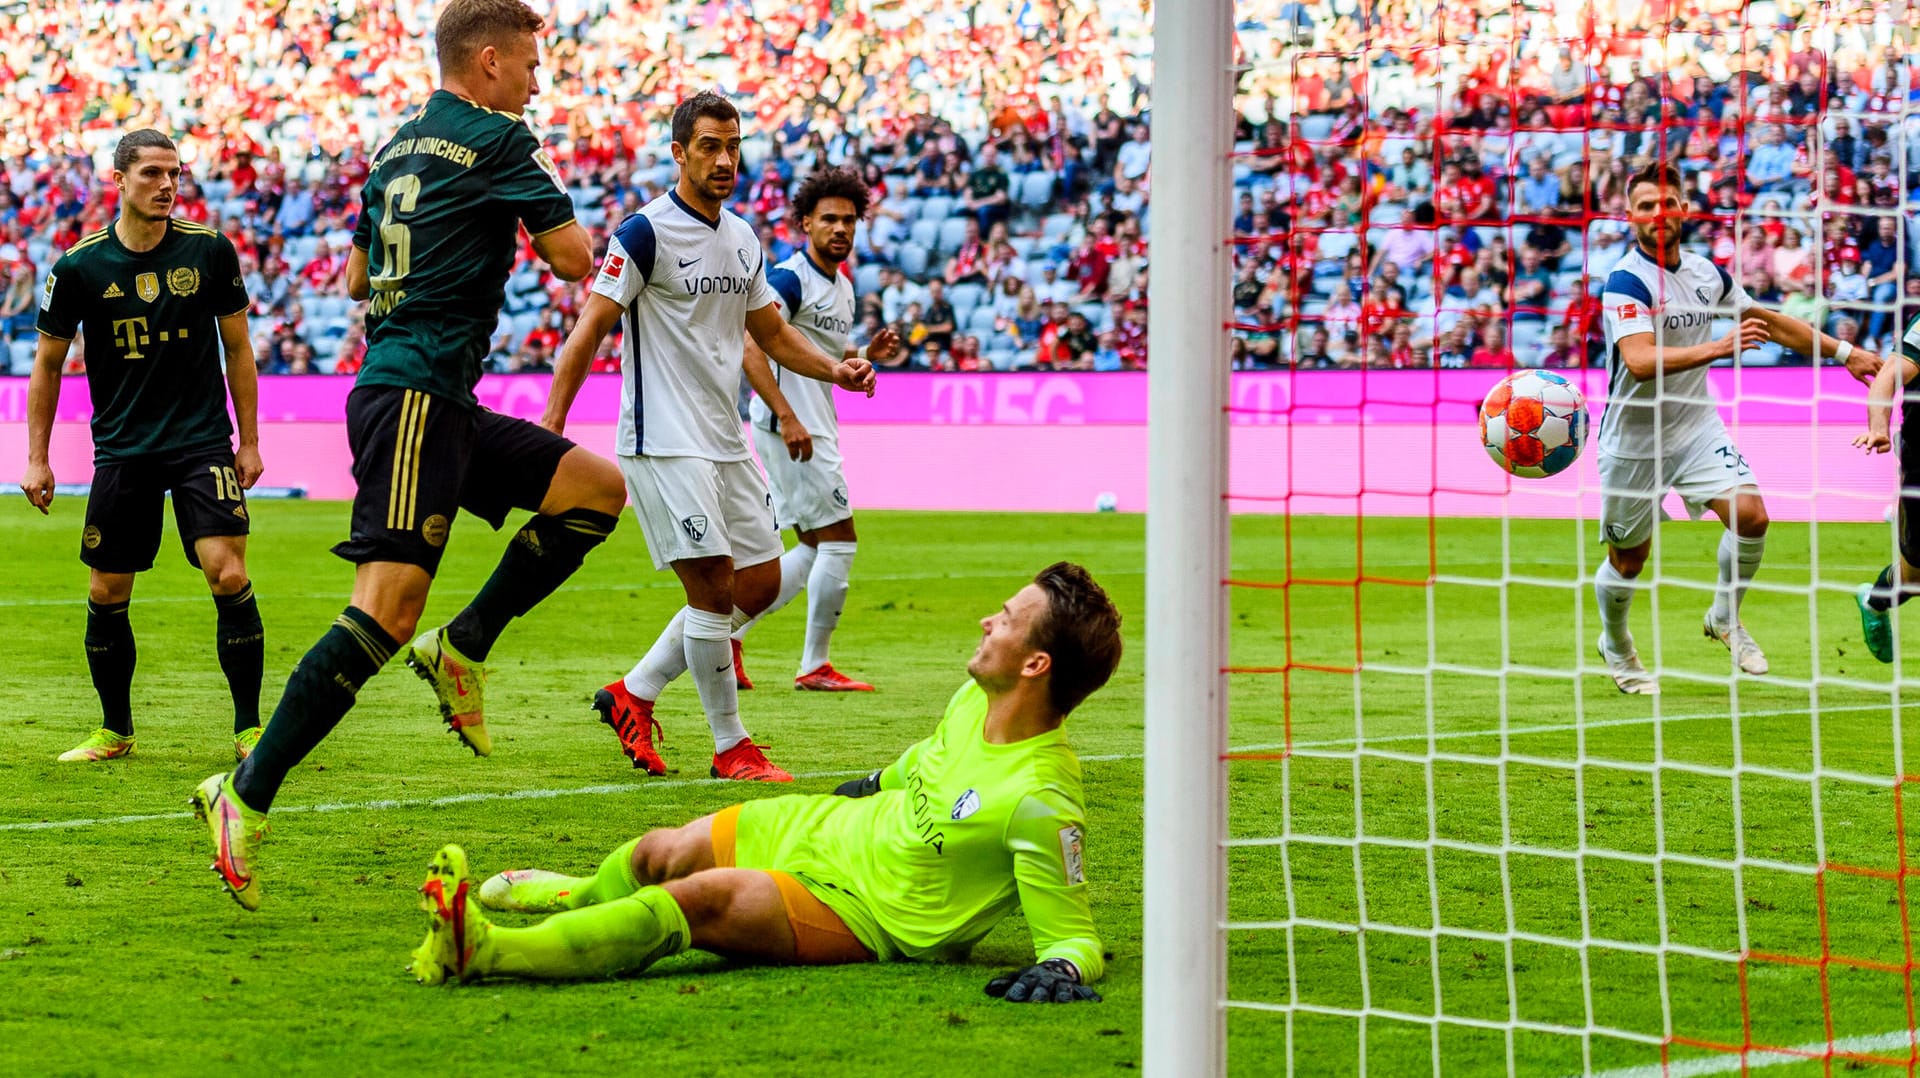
[(1627, 561), (603, 490), (671, 853), (755, 587), (226, 576), (105, 588), (1751, 521)]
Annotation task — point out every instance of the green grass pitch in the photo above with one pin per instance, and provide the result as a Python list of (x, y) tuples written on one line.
[(119, 954)]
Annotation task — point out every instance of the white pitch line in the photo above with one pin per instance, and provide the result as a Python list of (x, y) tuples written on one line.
[(1732, 1062), (622, 788)]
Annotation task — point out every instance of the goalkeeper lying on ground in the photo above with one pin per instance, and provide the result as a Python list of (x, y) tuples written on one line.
[(916, 861)]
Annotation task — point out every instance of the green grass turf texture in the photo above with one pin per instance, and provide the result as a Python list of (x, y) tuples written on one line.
[(119, 953)]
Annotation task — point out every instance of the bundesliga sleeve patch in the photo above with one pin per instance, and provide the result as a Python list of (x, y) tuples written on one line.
[(546, 165), (46, 295), (1070, 854), (1629, 310), (613, 267)]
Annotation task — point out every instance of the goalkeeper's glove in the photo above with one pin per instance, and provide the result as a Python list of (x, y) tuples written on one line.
[(1053, 981), (865, 786)]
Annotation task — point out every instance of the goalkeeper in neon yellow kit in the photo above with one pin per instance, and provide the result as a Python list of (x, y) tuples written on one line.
[(916, 861)]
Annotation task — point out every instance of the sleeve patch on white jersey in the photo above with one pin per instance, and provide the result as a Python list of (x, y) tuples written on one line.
[(613, 267), (1629, 311), (1070, 840)]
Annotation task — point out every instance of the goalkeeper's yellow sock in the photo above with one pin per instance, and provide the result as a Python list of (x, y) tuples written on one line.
[(615, 879), (625, 935)]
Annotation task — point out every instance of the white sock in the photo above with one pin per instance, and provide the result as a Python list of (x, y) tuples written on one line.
[(710, 658), (664, 661), (794, 565), (826, 595), (1614, 593), (1739, 561)]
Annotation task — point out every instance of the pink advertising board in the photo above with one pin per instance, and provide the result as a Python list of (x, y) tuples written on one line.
[(1382, 442)]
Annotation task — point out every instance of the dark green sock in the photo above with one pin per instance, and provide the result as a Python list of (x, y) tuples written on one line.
[(539, 558), (241, 642), (110, 658), (319, 693), (1886, 594)]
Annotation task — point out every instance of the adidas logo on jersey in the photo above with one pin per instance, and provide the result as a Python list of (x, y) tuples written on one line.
[(113, 291)]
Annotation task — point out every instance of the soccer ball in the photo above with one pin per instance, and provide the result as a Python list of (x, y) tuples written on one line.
[(1533, 423)]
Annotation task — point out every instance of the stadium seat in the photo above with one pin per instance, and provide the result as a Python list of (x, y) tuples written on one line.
[(936, 208), (912, 260), (1035, 190), (1001, 359), (981, 320), (1056, 228), (925, 232), (1317, 127), (1022, 245), (953, 233), (1386, 213), (866, 278), (1334, 246), (20, 356), (1529, 343), (965, 297)]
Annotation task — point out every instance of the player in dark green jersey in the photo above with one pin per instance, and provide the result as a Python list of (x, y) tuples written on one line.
[(439, 228), (159, 299)]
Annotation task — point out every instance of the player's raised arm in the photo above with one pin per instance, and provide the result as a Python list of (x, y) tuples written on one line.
[(1886, 387), (570, 366), (791, 349), (760, 377), (43, 399), (1801, 337)]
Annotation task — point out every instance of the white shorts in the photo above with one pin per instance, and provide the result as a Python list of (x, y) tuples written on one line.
[(694, 508), (806, 494), (1631, 490)]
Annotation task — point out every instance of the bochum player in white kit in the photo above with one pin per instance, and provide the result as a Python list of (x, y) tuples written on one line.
[(689, 279), (797, 430), (1662, 429)]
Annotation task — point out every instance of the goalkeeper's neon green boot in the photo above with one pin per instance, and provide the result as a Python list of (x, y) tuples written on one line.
[(459, 682), (102, 744), (455, 926), (528, 890), (237, 831), (1875, 625)]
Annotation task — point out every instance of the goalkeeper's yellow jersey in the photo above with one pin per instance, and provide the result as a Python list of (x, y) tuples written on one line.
[(961, 832)]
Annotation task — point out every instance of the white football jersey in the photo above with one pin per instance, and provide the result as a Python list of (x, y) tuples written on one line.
[(687, 283), (1661, 416), (819, 304)]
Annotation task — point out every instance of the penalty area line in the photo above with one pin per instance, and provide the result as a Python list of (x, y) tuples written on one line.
[(485, 796)]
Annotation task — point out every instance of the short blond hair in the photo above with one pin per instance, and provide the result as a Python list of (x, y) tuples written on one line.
[(467, 26)]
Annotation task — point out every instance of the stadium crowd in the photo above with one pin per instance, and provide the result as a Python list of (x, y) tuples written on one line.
[(1404, 197)]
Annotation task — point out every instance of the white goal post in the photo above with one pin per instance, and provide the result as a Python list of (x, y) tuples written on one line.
[(1184, 1026)]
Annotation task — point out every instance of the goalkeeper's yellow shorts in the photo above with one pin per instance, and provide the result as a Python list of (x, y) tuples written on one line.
[(820, 936)]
